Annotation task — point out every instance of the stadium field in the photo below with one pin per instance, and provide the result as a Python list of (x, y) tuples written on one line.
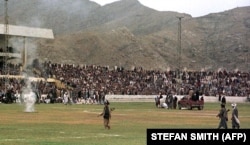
[(78, 124)]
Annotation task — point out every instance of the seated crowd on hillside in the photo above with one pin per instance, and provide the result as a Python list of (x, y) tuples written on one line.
[(96, 81)]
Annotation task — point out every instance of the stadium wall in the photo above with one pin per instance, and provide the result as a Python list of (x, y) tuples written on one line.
[(151, 98)]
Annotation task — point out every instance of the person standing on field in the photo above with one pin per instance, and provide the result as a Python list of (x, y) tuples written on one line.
[(223, 117), (235, 118), (223, 100), (106, 113)]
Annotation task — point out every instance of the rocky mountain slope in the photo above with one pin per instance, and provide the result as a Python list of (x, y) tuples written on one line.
[(126, 33)]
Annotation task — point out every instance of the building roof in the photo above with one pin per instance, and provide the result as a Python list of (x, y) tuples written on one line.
[(27, 31)]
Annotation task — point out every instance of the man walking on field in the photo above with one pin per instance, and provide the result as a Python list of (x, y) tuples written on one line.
[(223, 117), (106, 114)]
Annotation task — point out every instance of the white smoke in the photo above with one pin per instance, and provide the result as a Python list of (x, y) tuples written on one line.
[(19, 43), (29, 101), (29, 97)]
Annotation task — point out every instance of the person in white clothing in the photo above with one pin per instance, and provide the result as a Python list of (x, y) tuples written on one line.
[(66, 98), (235, 117)]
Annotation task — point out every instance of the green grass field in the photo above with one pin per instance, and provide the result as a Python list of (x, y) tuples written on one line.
[(58, 124)]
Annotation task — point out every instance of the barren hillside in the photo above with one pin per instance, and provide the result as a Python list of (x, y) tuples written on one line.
[(126, 33)]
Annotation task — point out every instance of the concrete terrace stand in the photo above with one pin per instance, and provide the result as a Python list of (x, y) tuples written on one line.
[(23, 32)]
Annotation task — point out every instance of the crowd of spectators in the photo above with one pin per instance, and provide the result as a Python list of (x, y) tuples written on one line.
[(150, 82), (92, 81)]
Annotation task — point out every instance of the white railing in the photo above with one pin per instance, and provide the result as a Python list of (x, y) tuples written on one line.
[(17, 55), (151, 98)]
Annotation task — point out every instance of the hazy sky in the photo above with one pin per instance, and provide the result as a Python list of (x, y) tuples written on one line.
[(195, 8)]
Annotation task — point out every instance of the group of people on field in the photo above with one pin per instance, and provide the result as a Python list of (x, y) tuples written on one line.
[(167, 102), (223, 115)]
